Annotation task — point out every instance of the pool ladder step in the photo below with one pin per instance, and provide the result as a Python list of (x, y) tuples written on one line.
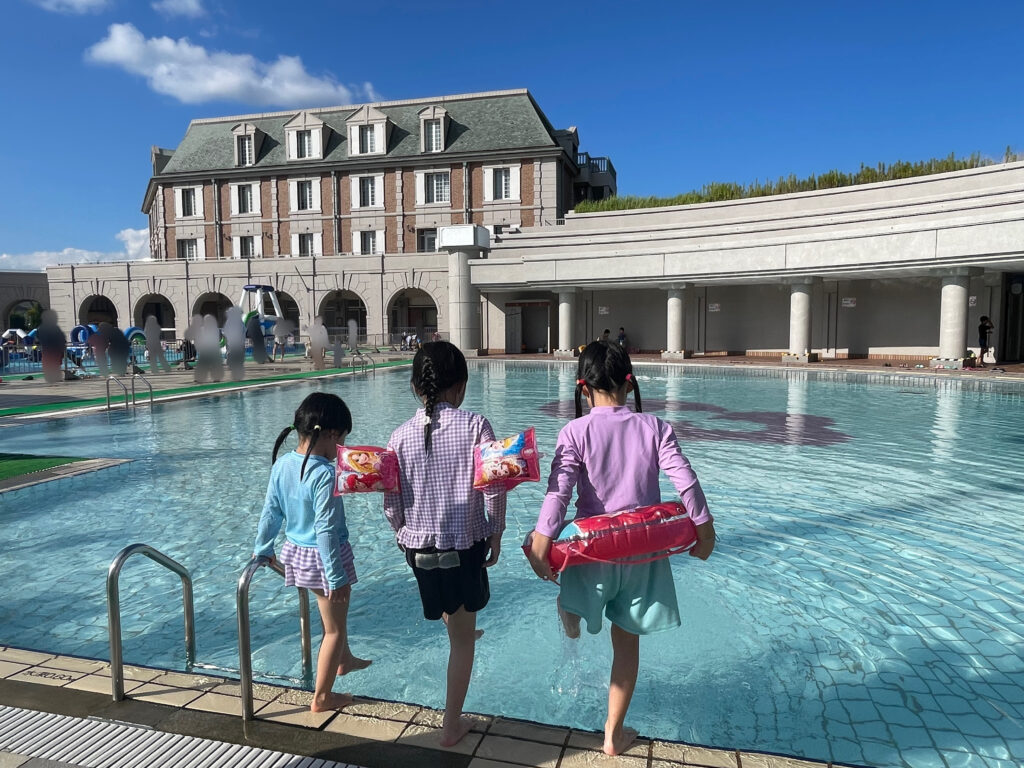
[(242, 608)]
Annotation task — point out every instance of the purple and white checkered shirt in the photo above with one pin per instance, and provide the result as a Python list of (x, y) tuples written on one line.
[(438, 506)]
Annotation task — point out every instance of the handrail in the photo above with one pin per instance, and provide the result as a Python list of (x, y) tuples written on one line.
[(358, 358), (122, 386), (114, 610), (144, 381), (245, 641)]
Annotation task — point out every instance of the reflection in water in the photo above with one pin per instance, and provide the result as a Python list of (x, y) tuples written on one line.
[(796, 407), (947, 423)]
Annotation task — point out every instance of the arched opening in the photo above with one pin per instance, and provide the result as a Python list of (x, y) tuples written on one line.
[(97, 309), (412, 310), (24, 314), (338, 307), (160, 307), (216, 304), (289, 308)]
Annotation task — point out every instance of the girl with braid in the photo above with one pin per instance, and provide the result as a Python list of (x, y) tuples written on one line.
[(612, 457), (450, 532), (316, 553)]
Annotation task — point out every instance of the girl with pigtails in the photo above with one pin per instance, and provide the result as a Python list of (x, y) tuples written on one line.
[(450, 532), (612, 458), (316, 553)]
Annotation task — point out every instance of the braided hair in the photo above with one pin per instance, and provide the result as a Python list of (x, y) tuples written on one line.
[(319, 412), (607, 367), (437, 367)]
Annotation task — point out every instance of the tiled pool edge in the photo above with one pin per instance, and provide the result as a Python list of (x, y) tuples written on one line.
[(495, 742)]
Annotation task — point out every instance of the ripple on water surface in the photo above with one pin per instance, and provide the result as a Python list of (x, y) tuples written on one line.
[(862, 605)]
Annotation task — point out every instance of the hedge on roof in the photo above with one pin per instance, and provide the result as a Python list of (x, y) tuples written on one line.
[(718, 191)]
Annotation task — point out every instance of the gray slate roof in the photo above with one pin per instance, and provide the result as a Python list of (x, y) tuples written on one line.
[(476, 123)]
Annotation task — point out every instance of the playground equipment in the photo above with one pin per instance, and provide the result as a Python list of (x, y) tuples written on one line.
[(252, 302)]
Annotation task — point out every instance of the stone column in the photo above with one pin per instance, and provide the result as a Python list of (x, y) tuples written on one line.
[(675, 331), (566, 322), (463, 242), (800, 318), (952, 321)]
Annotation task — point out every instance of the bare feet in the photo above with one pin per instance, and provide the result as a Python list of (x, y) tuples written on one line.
[(453, 734), (570, 623), (353, 664), (330, 701), (616, 744)]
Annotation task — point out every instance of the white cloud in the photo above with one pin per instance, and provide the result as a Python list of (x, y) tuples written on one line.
[(190, 8), (192, 74), (136, 247), (72, 6)]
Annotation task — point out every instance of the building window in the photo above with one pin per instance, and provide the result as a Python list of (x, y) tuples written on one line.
[(245, 153), (426, 240), (304, 195), (367, 191), (368, 242), (437, 187), (303, 144), (188, 250), (502, 184), (188, 202), (246, 247), (432, 136), (244, 198), (367, 139), (306, 244)]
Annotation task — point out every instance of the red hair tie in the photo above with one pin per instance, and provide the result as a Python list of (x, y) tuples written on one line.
[(629, 377), (580, 381)]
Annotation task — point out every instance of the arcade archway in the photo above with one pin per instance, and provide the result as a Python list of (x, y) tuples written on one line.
[(97, 309)]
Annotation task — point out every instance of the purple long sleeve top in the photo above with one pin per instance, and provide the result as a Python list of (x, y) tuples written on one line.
[(612, 456)]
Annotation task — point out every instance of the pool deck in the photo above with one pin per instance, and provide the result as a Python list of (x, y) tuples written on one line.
[(368, 733)]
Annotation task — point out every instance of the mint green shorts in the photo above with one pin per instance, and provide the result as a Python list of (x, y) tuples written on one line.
[(637, 598)]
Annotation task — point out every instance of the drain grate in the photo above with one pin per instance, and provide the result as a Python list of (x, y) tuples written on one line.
[(107, 744)]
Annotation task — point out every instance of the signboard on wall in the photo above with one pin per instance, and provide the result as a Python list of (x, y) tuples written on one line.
[(602, 310), (972, 301), (849, 301), (714, 307)]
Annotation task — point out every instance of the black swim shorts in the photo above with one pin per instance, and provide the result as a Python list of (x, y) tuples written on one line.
[(451, 579)]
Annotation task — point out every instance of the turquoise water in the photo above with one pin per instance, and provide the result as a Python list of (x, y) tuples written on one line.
[(863, 604)]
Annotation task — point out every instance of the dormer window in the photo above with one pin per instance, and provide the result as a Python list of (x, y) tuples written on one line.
[(433, 128), (244, 150), (306, 136), (367, 139), (247, 143), (368, 132)]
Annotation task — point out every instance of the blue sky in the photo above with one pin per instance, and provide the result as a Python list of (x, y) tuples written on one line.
[(678, 94)]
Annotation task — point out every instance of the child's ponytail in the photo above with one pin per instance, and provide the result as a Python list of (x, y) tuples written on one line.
[(280, 440), (309, 449), (579, 397), (437, 367)]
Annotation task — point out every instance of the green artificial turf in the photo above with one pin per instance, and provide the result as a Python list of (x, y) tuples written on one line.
[(15, 464)]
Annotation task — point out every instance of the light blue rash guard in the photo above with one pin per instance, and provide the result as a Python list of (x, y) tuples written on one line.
[(312, 515)]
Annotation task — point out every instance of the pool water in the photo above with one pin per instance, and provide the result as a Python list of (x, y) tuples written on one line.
[(863, 604)]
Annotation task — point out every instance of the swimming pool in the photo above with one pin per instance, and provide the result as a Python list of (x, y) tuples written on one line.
[(863, 604)]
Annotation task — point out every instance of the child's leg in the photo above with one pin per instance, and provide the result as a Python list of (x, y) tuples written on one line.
[(625, 667), (477, 634), (462, 638), (332, 649)]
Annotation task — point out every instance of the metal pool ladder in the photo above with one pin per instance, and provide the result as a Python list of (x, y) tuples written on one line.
[(114, 610), (124, 389), (245, 641), (362, 362)]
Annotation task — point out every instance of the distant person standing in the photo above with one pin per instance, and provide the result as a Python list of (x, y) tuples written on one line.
[(606, 335), (621, 338), (985, 327)]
